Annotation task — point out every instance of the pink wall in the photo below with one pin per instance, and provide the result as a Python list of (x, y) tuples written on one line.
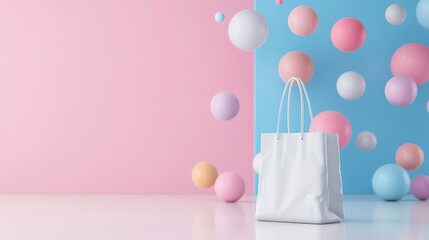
[(112, 96)]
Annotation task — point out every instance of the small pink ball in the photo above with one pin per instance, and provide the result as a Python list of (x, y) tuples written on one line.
[(229, 187), (348, 34), (409, 156), (296, 64), (302, 21), (400, 91), (333, 122), (420, 187), (411, 60)]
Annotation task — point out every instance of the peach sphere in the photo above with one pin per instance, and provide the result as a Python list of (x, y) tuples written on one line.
[(302, 21), (204, 175), (296, 64), (409, 156)]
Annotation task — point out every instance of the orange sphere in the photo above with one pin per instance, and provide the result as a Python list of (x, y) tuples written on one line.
[(409, 156), (204, 175)]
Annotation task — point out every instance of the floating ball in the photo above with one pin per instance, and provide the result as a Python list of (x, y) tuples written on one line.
[(333, 122), (420, 187), (409, 156), (351, 85), (204, 175), (395, 14), (229, 187), (257, 160), (296, 64), (400, 91), (302, 21), (219, 17), (348, 34), (224, 106), (411, 60), (366, 141), (422, 13), (248, 30), (391, 182)]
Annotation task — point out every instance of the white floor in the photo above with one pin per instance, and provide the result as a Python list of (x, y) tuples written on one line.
[(197, 217)]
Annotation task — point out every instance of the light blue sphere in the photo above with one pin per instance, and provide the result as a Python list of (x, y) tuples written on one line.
[(422, 13), (391, 182), (219, 17)]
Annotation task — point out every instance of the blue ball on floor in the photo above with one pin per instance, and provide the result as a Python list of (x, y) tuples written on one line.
[(391, 182)]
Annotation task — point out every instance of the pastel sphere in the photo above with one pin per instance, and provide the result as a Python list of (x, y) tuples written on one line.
[(296, 64), (395, 14), (204, 175), (411, 60), (333, 122), (224, 106), (420, 187), (229, 187), (257, 160), (409, 156), (219, 17), (391, 182), (351, 85), (366, 141), (400, 91), (422, 13), (248, 30), (348, 34), (302, 21)]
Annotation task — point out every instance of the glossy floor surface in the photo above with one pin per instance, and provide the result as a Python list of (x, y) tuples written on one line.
[(197, 217)]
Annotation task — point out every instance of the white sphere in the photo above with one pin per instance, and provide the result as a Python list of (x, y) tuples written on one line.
[(395, 14), (366, 141), (257, 163), (351, 85), (248, 30)]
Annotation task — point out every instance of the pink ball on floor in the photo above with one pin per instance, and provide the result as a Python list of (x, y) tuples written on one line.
[(420, 187), (229, 187)]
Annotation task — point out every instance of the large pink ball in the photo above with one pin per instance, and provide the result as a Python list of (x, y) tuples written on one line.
[(420, 187), (302, 20), (348, 34), (400, 91), (409, 156), (296, 64), (411, 60), (229, 187), (333, 122)]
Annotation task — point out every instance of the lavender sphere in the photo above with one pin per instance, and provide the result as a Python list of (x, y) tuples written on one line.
[(224, 106), (420, 187), (401, 91)]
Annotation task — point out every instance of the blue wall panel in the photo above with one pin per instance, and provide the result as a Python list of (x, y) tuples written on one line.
[(393, 126)]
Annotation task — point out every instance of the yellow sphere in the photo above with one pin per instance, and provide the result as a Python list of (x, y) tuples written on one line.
[(204, 175)]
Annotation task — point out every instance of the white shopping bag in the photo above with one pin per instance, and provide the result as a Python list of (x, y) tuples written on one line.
[(299, 177)]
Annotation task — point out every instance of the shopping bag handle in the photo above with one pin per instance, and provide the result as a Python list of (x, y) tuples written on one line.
[(301, 86)]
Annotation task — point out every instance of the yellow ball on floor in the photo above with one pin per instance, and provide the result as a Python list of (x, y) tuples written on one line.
[(204, 175)]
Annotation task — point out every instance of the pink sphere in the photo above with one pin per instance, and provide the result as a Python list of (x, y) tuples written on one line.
[(229, 187), (420, 187), (333, 122), (296, 64), (409, 156), (411, 60), (400, 91), (348, 34), (302, 20)]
